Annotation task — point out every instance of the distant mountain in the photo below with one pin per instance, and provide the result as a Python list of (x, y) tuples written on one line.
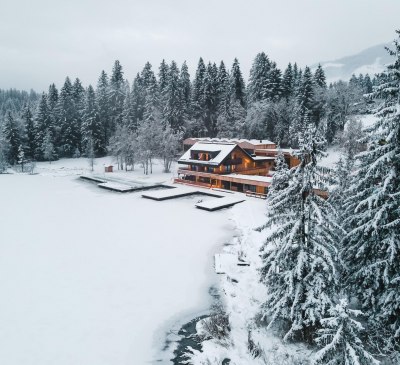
[(371, 60)]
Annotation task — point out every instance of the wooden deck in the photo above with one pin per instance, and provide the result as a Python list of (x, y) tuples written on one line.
[(177, 193), (217, 204), (122, 186)]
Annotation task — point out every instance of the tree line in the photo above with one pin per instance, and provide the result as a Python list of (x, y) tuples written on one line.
[(75, 120)]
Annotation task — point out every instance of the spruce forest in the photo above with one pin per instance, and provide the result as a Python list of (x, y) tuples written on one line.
[(330, 266)]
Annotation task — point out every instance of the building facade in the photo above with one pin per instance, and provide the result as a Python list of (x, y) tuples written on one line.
[(238, 165)]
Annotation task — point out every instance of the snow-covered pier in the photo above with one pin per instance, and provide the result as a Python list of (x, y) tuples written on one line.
[(178, 193), (123, 186), (216, 204)]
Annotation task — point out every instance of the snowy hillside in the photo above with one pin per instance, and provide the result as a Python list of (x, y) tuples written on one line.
[(371, 60)]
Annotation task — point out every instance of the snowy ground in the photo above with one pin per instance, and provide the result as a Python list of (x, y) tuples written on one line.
[(89, 276)]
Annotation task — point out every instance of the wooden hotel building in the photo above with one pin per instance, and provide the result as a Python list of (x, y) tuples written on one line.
[(232, 164)]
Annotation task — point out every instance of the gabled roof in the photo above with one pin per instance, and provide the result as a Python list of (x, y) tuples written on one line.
[(219, 151)]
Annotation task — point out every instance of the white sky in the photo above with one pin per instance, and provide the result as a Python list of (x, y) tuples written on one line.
[(42, 41)]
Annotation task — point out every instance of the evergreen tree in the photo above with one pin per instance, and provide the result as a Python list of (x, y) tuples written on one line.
[(91, 125), (319, 77), (163, 73), (116, 96), (30, 132), (42, 125), (78, 94), (103, 108), (210, 100), (273, 88), (12, 137), (299, 256), (371, 249), (49, 153), (197, 126), (237, 83), (137, 101), (128, 114), (186, 90), (288, 82), (172, 97), (70, 128), (340, 339), (367, 86), (258, 79), (21, 157)]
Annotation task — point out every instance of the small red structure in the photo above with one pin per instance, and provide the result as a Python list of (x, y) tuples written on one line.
[(108, 168)]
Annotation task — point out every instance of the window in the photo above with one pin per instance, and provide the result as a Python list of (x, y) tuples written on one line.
[(228, 168)]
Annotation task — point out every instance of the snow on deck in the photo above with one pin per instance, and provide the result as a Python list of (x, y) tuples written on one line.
[(177, 193), (219, 203), (116, 186)]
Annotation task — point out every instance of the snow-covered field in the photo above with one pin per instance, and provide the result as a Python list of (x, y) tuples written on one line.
[(89, 276)]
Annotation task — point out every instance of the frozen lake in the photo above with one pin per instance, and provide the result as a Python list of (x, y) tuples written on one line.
[(89, 276)]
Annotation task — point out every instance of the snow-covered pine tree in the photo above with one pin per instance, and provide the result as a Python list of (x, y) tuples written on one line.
[(12, 137), (128, 114), (305, 104), (172, 99), (137, 101), (339, 338), (78, 94), (210, 99), (21, 157), (299, 255), (70, 134), (186, 90), (288, 82), (48, 147), (237, 83), (197, 127), (116, 96), (163, 72), (30, 131), (150, 129), (53, 110), (258, 78), (372, 245), (342, 179), (280, 178), (273, 88), (42, 125), (91, 126), (103, 109), (319, 77)]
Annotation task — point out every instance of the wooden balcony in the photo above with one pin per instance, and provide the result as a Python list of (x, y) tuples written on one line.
[(263, 171)]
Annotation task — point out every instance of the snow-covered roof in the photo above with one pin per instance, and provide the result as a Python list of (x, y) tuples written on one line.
[(233, 140), (219, 150), (291, 151)]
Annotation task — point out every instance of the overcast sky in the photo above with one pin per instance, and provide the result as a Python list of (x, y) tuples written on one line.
[(42, 41)]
